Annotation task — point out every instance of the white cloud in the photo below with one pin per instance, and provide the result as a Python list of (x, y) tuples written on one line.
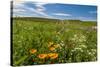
[(86, 18), (40, 9), (92, 12), (21, 8), (18, 2), (61, 14), (18, 8), (40, 5), (37, 11)]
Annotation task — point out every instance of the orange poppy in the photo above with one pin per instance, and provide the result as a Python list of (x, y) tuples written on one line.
[(53, 55), (42, 56), (32, 51)]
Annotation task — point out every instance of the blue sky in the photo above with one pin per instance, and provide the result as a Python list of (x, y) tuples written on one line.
[(55, 10)]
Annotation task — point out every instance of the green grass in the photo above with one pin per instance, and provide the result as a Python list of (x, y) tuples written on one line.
[(77, 40)]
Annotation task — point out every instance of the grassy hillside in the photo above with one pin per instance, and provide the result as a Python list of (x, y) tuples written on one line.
[(49, 41)]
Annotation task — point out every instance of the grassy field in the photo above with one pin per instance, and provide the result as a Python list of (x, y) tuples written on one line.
[(49, 41)]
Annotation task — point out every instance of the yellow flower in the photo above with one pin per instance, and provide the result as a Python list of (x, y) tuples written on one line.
[(57, 46), (50, 44), (58, 32), (32, 51), (42, 56), (52, 48), (53, 55)]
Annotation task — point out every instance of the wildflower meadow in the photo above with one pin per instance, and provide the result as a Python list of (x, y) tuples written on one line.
[(51, 41)]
